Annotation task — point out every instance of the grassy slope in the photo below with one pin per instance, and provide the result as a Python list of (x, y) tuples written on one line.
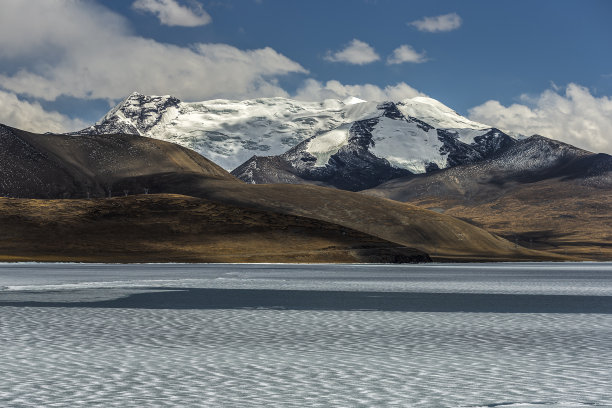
[(445, 238), (556, 217), (171, 228), (565, 217)]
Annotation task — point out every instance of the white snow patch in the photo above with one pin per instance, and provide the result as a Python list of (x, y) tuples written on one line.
[(230, 132), (436, 114), (406, 146), (467, 135), (328, 144)]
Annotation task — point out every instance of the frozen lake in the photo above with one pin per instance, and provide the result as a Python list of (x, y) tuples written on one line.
[(468, 335)]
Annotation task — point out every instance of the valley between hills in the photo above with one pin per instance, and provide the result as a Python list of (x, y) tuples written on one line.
[(126, 190)]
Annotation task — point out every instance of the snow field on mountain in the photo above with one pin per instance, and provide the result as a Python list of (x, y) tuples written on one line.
[(406, 146), (324, 146), (230, 132), (466, 135), (436, 114)]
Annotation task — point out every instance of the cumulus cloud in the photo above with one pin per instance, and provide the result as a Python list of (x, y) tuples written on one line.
[(170, 13), (33, 117), (356, 52), (313, 90), (576, 117), (445, 22), (83, 50), (405, 53)]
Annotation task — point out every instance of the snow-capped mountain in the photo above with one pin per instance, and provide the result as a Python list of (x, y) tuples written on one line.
[(437, 114), (386, 145), (231, 132)]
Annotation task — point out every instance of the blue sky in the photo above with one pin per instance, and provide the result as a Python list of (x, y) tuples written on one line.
[(521, 64)]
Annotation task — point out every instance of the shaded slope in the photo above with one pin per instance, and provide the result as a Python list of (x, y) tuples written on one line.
[(162, 228), (60, 166)]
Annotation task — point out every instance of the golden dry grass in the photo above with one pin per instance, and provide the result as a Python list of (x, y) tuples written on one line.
[(444, 237), (554, 216), (172, 228)]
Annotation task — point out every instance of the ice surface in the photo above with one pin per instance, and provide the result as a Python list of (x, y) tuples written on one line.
[(113, 335)]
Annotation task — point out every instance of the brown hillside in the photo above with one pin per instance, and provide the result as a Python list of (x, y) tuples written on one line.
[(557, 216), (443, 237), (61, 166), (170, 228)]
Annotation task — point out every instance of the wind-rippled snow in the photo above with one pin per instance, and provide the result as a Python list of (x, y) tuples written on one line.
[(155, 335)]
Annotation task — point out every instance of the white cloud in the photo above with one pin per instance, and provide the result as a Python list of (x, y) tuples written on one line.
[(445, 22), (405, 53), (33, 117), (356, 52), (576, 117), (313, 90), (83, 50), (171, 13)]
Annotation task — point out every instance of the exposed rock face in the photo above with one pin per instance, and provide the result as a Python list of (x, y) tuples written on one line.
[(136, 115)]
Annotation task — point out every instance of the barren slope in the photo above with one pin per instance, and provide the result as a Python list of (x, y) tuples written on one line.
[(170, 228), (441, 236), (60, 166), (557, 216)]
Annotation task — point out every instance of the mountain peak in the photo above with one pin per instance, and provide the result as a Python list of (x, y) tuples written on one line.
[(139, 112), (137, 99), (437, 114), (135, 94)]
